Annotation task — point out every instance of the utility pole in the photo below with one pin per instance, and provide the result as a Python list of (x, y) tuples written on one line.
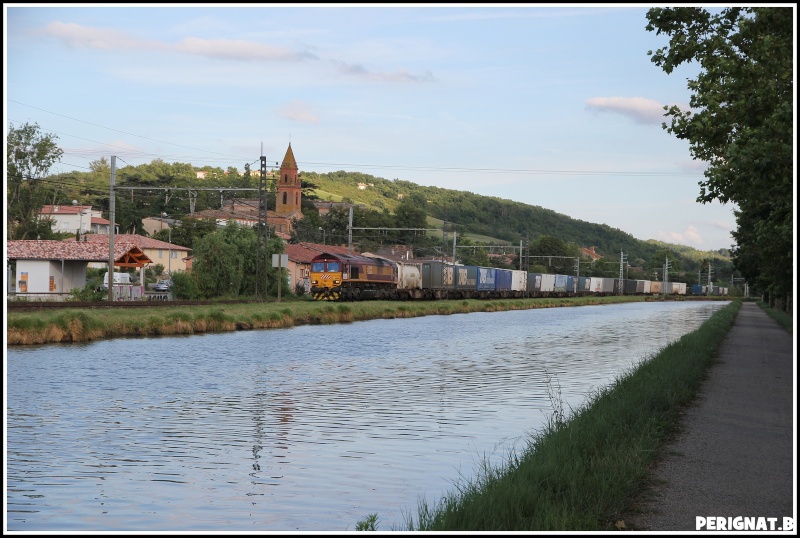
[(111, 217), (455, 276), (263, 224), (350, 232), (710, 270), (666, 270), (622, 260)]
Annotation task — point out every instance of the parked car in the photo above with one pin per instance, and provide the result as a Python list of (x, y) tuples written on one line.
[(119, 278), (163, 285)]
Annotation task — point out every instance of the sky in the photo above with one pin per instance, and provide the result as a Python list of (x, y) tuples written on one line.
[(554, 106)]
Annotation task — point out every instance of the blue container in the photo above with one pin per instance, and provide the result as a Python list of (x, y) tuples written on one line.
[(561, 284), (487, 278), (503, 279)]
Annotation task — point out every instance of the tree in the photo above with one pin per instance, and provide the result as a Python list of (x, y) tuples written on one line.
[(742, 123), (559, 254), (217, 267), (29, 156)]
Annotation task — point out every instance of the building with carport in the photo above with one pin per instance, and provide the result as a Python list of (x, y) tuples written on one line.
[(50, 270)]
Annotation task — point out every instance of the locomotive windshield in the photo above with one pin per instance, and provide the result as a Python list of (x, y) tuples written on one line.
[(332, 267)]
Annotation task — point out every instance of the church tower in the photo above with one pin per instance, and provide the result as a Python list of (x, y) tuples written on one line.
[(287, 197)]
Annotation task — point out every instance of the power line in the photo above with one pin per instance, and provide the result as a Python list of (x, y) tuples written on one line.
[(503, 170), (116, 130), (385, 167)]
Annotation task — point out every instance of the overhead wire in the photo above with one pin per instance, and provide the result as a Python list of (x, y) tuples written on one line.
[(361, 165)]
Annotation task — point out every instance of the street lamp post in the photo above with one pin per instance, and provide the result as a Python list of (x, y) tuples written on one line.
[(169, 251), (80, 214)]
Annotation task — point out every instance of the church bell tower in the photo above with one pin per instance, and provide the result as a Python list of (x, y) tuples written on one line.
[(288, 190)]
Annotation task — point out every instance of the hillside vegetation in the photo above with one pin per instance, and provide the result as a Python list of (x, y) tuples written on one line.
[(494, 220)]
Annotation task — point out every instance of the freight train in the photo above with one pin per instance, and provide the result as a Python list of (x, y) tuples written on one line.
[(344, 277)]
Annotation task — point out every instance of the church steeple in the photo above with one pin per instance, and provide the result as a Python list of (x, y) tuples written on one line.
[(289, 187)]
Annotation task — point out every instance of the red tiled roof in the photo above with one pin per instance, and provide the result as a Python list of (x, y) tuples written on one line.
[(71, 250), (139, 240), (305, 252), (64, 209)]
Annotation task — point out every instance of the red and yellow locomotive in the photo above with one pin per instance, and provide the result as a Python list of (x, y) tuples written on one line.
[(344, 277)]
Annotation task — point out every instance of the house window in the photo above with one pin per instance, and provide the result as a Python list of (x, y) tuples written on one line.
[(160, 253)]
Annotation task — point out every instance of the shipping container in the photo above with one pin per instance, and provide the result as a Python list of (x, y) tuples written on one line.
[(487, 278), (534, 285), (519, 281), (631, 287), (437, 275), (585, 284), (548, 283), (656, 286), (560, 284), (572, 284), (503, 280), (466, 277)]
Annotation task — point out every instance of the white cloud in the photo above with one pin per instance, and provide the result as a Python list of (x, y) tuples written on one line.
[(298, 111), (400, 75), (108, 39), (95, 38), (639, 109), (689, 236), (239, 50)]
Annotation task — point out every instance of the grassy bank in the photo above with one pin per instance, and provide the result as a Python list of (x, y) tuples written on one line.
[(85, 325), (784, 319), (579, 474)]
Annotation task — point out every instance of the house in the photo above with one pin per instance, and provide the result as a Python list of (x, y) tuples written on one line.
[(222, 217), (300, 256), (153, 225), (172, 257), (323, 208), (50, 270), (74, 218), (590, 253)]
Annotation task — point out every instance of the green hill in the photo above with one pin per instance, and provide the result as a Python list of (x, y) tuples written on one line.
[(497, 221)]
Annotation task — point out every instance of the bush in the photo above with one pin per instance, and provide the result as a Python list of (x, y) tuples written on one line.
[(184, 287), (90, 292), (299, 289)]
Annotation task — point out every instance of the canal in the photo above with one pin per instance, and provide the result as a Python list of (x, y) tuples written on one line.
[(310, 428)]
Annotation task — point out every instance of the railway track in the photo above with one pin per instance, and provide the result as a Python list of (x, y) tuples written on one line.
[(28, 306)]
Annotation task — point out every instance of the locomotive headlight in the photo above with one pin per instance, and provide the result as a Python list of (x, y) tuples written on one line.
[(337, 282), (315, 281)]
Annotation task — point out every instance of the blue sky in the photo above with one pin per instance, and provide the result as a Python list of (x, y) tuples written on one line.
[(558, 107)]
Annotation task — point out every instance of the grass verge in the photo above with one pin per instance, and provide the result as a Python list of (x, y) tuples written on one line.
[(784, 319), (84, 325), (580, 474)]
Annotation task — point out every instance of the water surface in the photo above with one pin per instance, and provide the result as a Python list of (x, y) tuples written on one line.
[(310, 428)]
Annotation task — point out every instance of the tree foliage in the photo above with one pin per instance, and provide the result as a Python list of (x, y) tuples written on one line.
[(228, 263), (741, 123), (29, 156)]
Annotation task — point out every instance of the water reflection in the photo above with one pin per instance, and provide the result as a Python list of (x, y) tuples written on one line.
[(310, 428)]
